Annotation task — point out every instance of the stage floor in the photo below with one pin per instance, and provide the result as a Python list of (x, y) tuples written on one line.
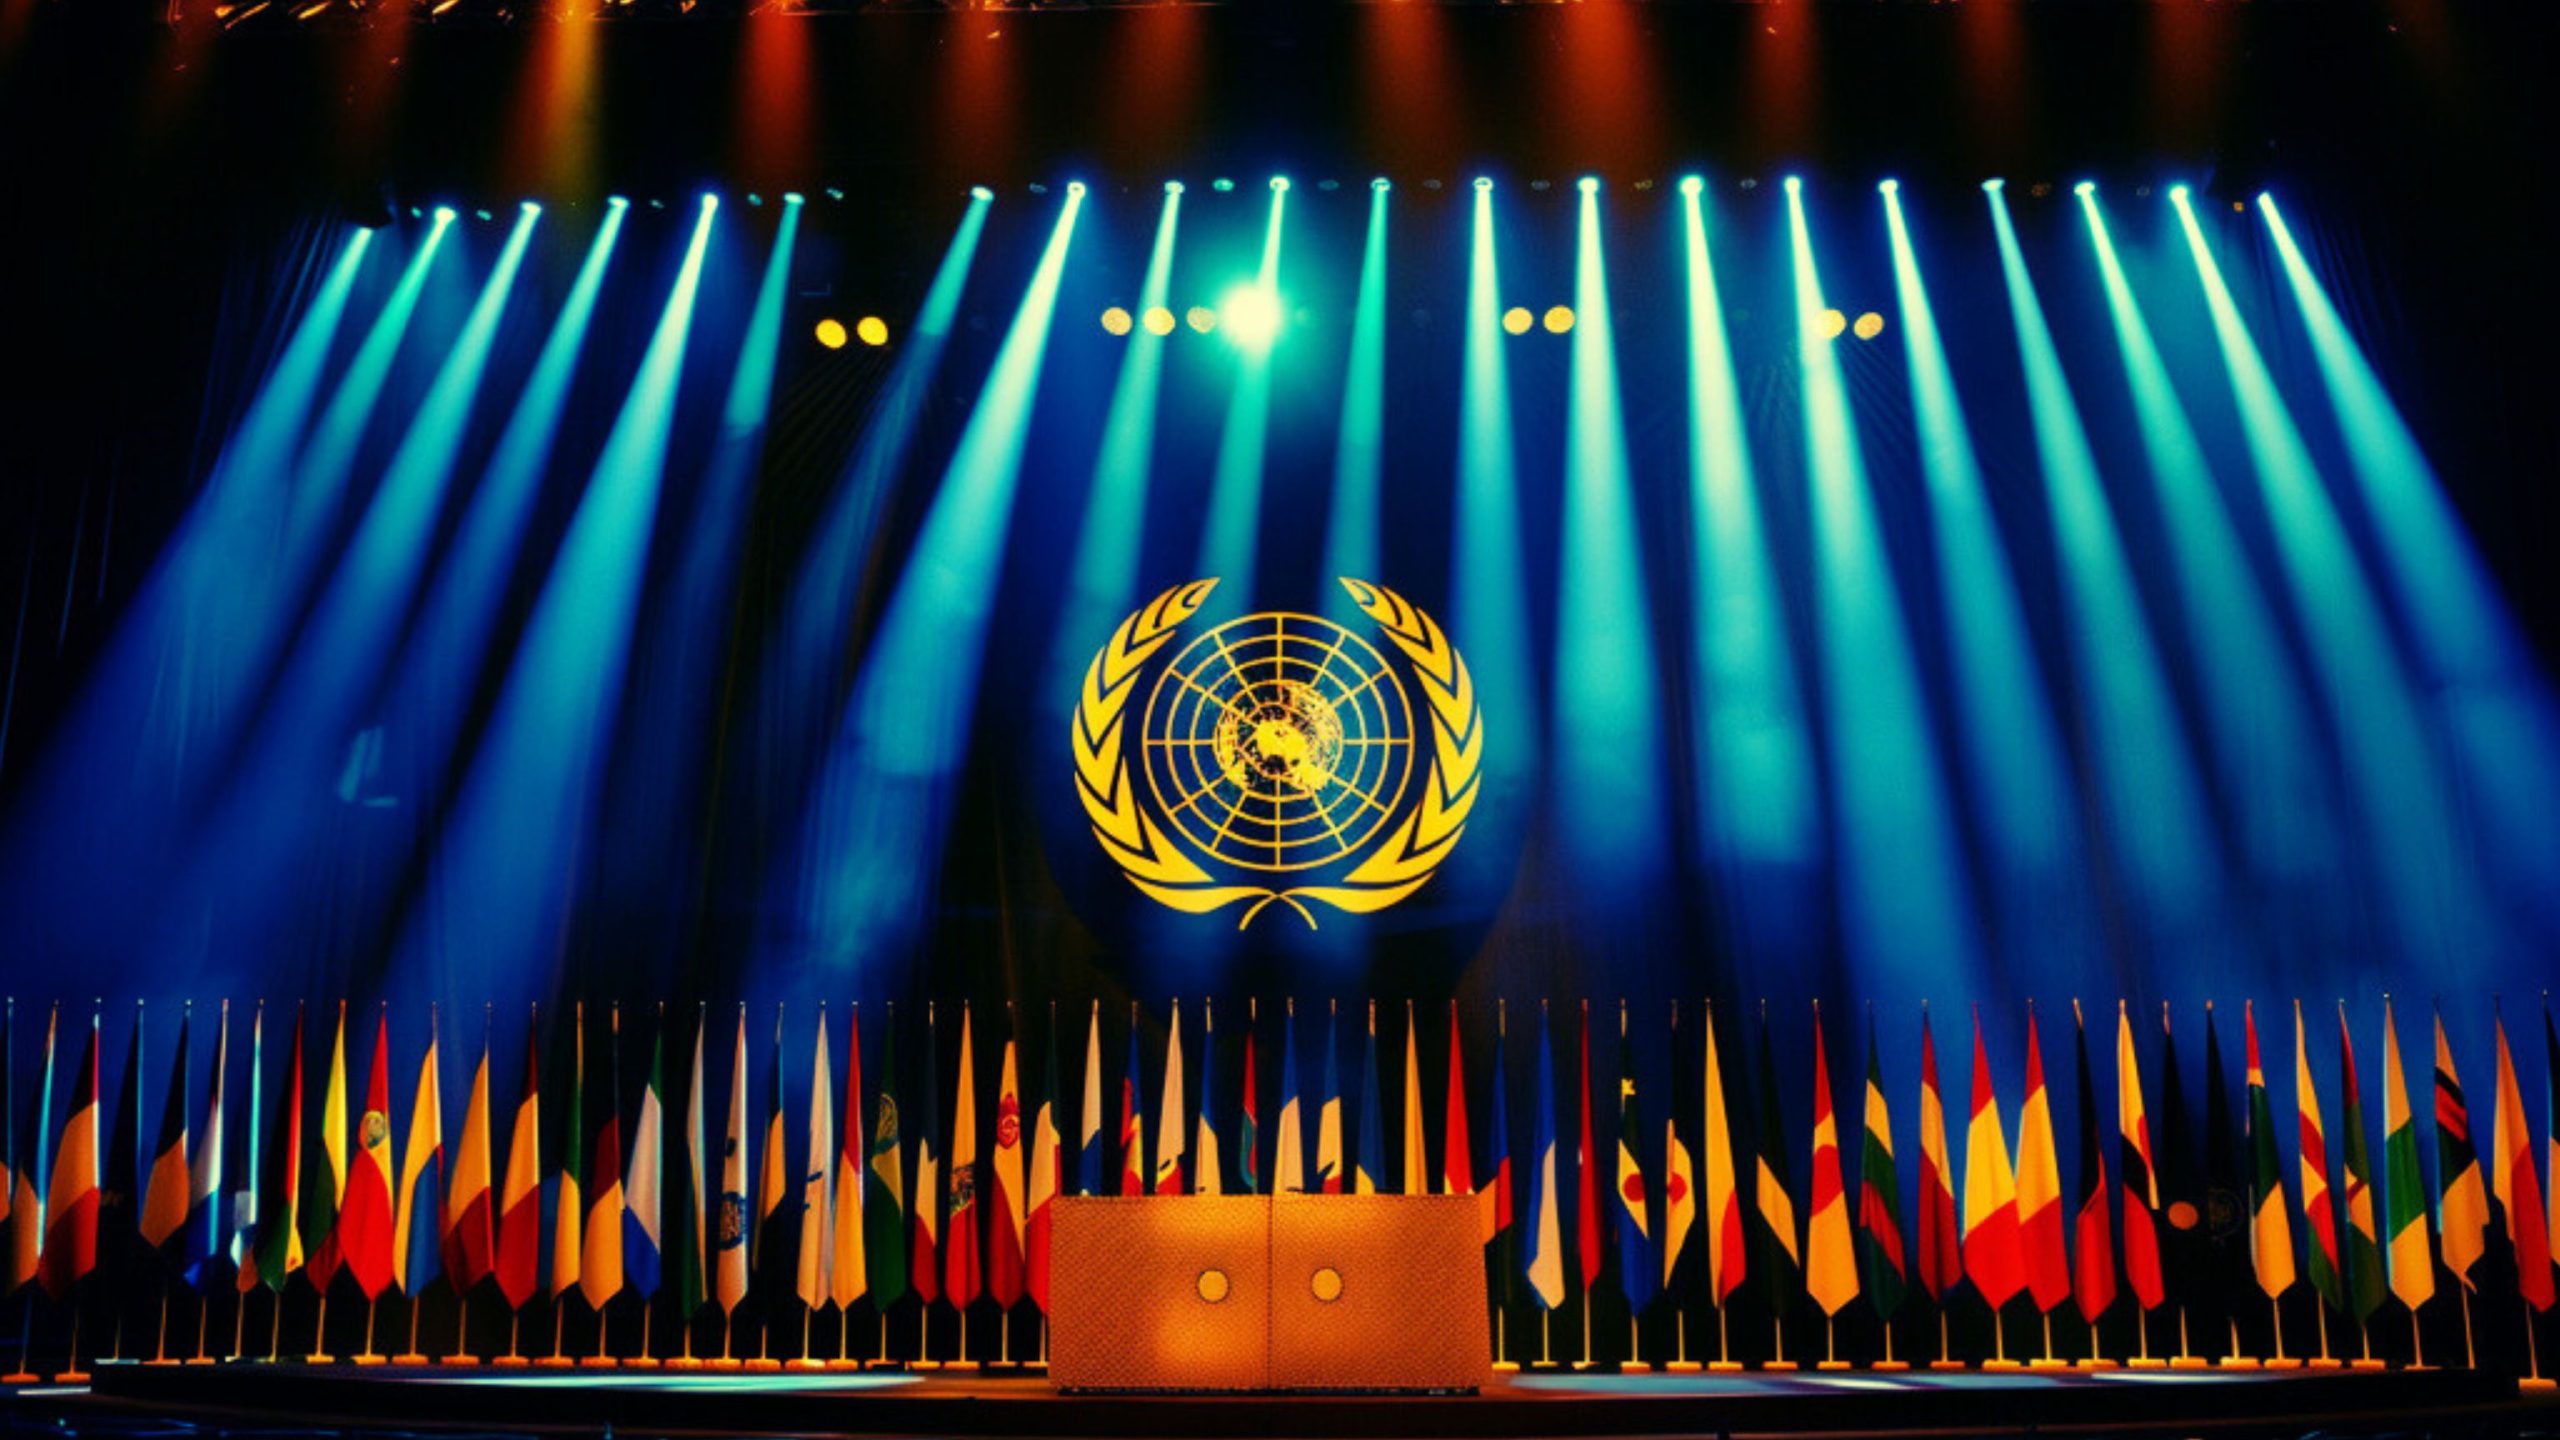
[(230, 1398)]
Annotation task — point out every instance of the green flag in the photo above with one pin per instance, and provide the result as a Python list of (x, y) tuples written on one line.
[(2404, 1190), (884, 1204), (2364, 1245), (1879, 1213)]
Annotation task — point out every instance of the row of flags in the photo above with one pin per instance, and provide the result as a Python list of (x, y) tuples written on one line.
[(889, 1202)]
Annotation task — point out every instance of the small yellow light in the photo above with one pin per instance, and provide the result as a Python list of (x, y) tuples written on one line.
[(831, 333), (1116, 320), (1202, 319), (871, 330), (1833, 324), (1158, 320), (1517, 320), (1869, 326), (1559, 319)]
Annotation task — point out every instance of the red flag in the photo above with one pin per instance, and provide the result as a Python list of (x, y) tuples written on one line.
[(71, 1197), (1009, 1216), (2039, 1180), (520, 1205), (1941, 1262), (1587, 1210), (1457, 1159), (364, 1222), (1992, 1258), (2093, 1226)]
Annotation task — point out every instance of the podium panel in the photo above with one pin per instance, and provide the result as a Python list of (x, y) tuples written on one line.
[(1378, 1292), (1160, 1293)]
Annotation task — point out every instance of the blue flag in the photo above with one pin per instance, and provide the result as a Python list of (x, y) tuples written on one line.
[(1545, 1267), (1373, 1154), (1089, 1145)]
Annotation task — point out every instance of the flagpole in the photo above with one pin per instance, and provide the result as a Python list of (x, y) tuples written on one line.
[(72, 1374), (204, 1312), (2534, 1379), (161, 1356), (2417, 1343), (26, 1337), (239, 1317), (2470, 1354)]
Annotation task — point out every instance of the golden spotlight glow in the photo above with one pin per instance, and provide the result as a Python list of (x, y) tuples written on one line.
[(1517, 320), (831, 333), (1202, 319), (1559, 319), (1869, 326), (1116, 320), (871, 330), (1833, 324), (1158, 320)]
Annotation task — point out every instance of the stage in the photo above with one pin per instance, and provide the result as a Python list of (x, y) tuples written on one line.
[(1531, 1404)]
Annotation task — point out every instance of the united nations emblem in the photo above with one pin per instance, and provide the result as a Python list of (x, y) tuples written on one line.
[(1278, 745)]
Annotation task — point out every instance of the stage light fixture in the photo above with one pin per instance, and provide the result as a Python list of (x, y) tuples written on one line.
[(1201, 319), (1222, 184), (981, 192), (1379, 184), (2085, 188), (1280, 184), (2178, 194), (1888, 187), (871, 330), (1173, 187), (710, 202), (1590, 185), (1692, 185), (831, 333), (1795, 185), (1994, 185), (756, 198), (1833, 324), (1869, 326), (529, 207), (1484, 182), (1158, 320), (483, 216), (617, 202), (1517, 320), (1559, 319), (1116, 321), (1075, 189), (1251, 316), (834, 194)]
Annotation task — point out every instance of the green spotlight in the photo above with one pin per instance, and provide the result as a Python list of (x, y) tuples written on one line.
[(793, 198), (2085, 189), (1280, 184), (1994, 185), (1484, 182), (1590, 184), (2178, 194), (1889, 187), (617, 202), (1692, 186), (1379, 184), (530, 208), (1795, 185), (444, 215), (710, 202), (1173, 187), (981, 192), (1075, 189)]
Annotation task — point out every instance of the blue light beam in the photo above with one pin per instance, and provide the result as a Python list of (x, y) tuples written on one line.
[(1489, 601), (1351, 524), (1233, 529)]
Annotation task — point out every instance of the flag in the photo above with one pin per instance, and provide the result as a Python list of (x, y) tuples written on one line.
[(924, 1252), (1941, 1256), (1005, 1226), (519, 1251), (1777, 1258), (568, 1202), (1831, 1267), (365, 1222), (2039, 1181), (817, 1187), (1414, 1171), (1089, 1116), (19, 1165), (1679, 1175), (1169, 1137), (2187, 1244), (1727, 1259), (1638, 1274), (416, 1228), (1288, 1147), (960, 1233), (1545, 1266), (279, 1238), (470, 1240), (71, 1188), (692, 1223), (1048, 1173), (2270, 1237), (2093, 1271), (244, 1201), (1586, 1170), (120, 1188), (164, 1197), (1205, 1179), (203, 1237), (645, 1186), (600, 1274), (2363, 1238), (2139, 1183), (728, 1221), (2319, 1214), (2462, 1201), (1994, 1257), (2404, 1190), (769, 1249), (1329, 1114), (8, 1128), (1879, 1213), (1371, 1156), (1249, 1120), (884, 1183), (2551, 1115), (849, 1273), (1457, 1163), (2513, 1181), (324, 1187), (1133, 1120), (1497, 1187)]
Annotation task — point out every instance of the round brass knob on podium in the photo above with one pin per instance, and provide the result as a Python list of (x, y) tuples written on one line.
[(1212, 1285), (1326, 1284)]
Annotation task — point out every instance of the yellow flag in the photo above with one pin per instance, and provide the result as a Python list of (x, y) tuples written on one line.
[(1416, 1182)]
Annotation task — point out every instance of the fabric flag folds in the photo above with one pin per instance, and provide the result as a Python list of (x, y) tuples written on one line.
[(2406, 1254), (1288, 1144), (1206, 1175), (815, 1277), (2462, 1199), (324, 1182), (279, 1201), (1544, 1264), (1048, 1171), (884, 1195), (2363, 1238), (1089, 1115), (776, 1234), (1586, 1169), (1370, 1157), (1830, 1261), (471, 1219), (1170, 1141), (1008, 1218), (849, 1266), (1133, 1119), (1993, 1257), (1728, 1257), (2093, 1271), (959, 1236), (164, 1195), (924, 1225), (366, 1222), (2139, 1185), (1777, 1258), (1881, 1266), (71, 1187), (1413, 1172), (2270, 1234), (1940, 1254), (1249, 1115), (644, 1188), (203, 1238), (416, 1226), (1679, 1175), (727, 1219), (2039, 1180), (1328, 1174), (569, 1202), (2512, 1180), (1639, 1272), (692, 1222), (2319, 1213)]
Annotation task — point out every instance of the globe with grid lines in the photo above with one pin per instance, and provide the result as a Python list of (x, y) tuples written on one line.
[(1278, 742)]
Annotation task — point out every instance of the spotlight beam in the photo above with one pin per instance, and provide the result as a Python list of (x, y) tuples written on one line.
[(1901, 879), (1351, 524), (1489, 602), (2389, 758), (1231, 534), (2014, 753)]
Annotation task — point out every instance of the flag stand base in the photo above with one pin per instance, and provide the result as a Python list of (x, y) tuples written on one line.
[(920, 1363), (2240, 1362), (2154, 1362), (1682, 1367), (2366, 1365), (763, 1365), (1781, 1365), (2283, 1363), (1949, 1365), (154, 1364), (1891, 1367), (2190, 1362), (643, 1362), (2538, 1385), (804, 1363), (1506, 1367), (1634, 1367), (410, 1360), (511, 1362), (2326, 1362), (368, 1359), (2097, 1362), (599, 1362), (77, 1377), (685, 1362), (1831, 1365), (1724, 1367), (21, 1377), (554, 1362), (199, 1360), (841, 1363), (2047, 1365), (725, 1362)]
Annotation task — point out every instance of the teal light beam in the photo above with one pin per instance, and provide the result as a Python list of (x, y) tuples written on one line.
[(1905, 909), (1757, 800), (1607, 729), (2152, 811), (1351, 524), (2266, 754), (1229, 538), (2390, 762), (884, 802), (2013, 747), (1488, 603)]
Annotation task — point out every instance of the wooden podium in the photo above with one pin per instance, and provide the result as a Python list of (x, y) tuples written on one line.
[(1290, 1292)]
